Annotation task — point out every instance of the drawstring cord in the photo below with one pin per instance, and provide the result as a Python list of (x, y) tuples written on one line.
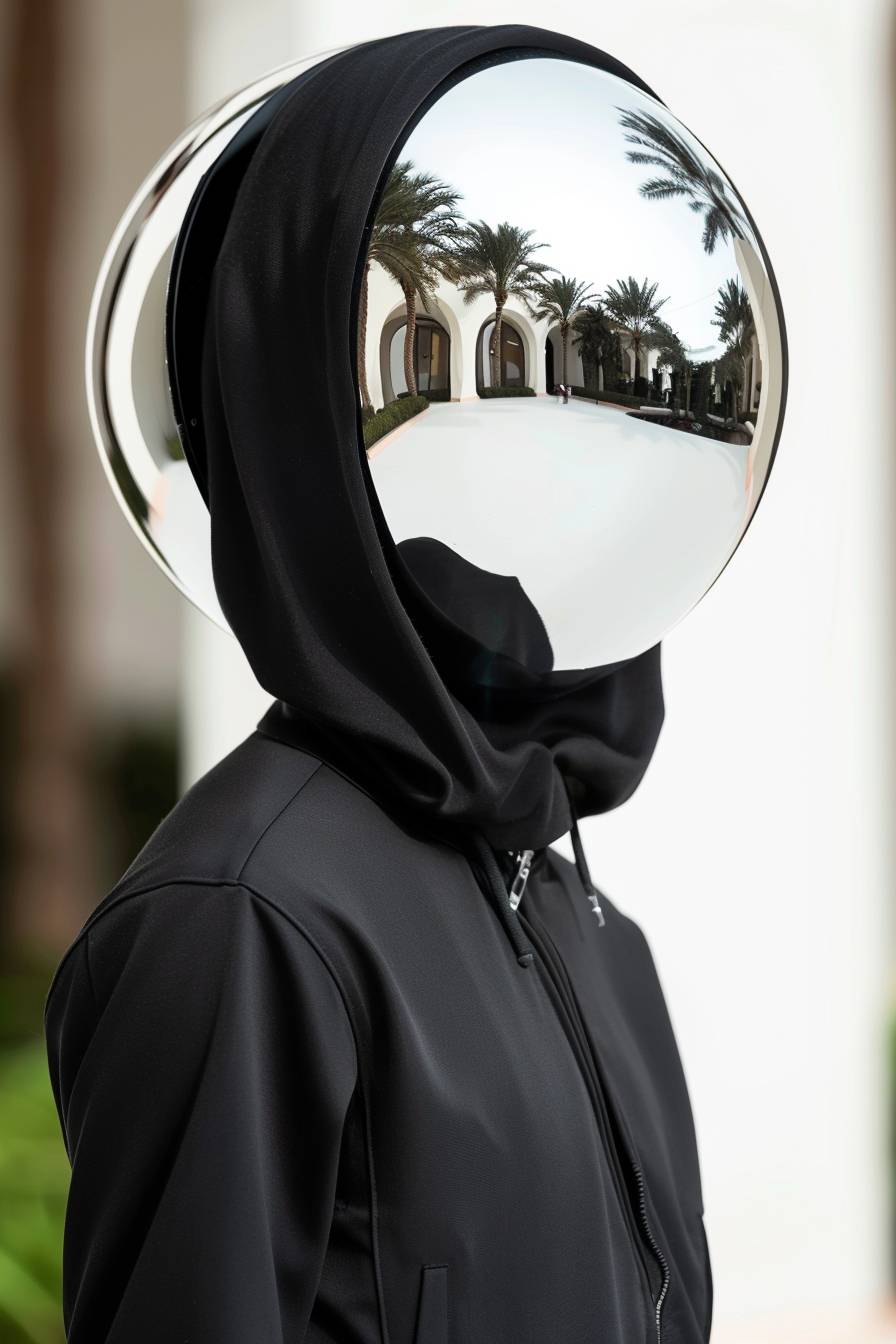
[(582, 863)]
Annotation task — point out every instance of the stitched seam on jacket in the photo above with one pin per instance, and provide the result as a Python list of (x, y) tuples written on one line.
[(172, 881), (274, 819), (343, 997)]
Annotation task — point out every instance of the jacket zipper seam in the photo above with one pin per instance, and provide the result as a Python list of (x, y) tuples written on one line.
[(581, 1046), (582, 1052)]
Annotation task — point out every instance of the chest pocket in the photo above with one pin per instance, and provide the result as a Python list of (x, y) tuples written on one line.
[(432, 1308)]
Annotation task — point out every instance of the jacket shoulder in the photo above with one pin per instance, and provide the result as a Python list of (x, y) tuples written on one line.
[(212, 832), (207, 839)]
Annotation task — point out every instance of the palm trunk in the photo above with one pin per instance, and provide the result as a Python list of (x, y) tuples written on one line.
[(50, 888), (745, 390), (564, 337), (495, 352), (410, 371), (362, 339)]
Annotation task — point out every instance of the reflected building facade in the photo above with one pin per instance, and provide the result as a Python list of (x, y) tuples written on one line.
[(452, 361)]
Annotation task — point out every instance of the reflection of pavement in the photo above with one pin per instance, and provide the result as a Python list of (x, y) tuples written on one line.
[(611, 523), (180, 526)]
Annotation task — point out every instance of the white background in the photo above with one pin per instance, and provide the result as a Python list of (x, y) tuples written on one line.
[(758, 852)]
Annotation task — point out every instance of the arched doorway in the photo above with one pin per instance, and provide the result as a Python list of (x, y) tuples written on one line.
[(432, 359), (549, 377), (512, 359)]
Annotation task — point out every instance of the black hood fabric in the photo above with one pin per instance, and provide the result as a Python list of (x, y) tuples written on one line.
[(333, 1066), (366, 668)]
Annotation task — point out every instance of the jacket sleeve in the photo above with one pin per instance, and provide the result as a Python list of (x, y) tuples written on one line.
[(202, 1063)]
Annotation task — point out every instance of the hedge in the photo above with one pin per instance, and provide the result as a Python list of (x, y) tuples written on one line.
[(487, 392), (431, 394), (391, 416), (618, 398)]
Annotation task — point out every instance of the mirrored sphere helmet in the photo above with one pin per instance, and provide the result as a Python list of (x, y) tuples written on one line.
[(571, 362)]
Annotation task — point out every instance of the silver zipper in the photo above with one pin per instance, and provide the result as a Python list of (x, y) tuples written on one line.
[(657, 1252), (515, 895), (518, 886)]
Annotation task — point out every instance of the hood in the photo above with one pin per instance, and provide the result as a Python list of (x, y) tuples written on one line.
[(426, 680)]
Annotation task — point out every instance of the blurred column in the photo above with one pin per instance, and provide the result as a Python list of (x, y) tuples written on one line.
[(231, 43)]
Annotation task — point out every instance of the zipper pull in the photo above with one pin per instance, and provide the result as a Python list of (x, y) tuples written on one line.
[(518, 886)]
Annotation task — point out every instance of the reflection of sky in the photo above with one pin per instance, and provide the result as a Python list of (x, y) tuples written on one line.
[(538, 143)]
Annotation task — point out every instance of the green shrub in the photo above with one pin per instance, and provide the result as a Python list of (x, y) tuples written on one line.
[(34, 1177), (391, 416), (487, 392), (431, 394), (617, 398)]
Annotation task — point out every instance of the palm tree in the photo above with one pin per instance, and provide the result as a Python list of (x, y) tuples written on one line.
[(415, 223), (730, 372), (685, 174), (435, 223), (634, 308), (499, 262), (672, 354), (597, 341), (734, 319), (557, 300)]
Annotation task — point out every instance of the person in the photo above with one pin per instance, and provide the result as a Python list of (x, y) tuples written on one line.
[(350, 1052)]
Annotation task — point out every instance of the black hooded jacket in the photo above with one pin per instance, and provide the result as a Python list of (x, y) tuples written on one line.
[(318, 1079)]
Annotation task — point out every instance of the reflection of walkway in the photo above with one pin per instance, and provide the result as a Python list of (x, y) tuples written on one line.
[(611, 523)]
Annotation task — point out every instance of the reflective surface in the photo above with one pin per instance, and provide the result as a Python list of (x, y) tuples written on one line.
[(596, 247), (128, 393), (622, 266)]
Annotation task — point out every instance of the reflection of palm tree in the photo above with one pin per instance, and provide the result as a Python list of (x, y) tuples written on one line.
[(556, 300), (730, 370), (685, 174), (414, 225), (499, 262), (672, 355), (634, 308), (597, 342), (734, 319)]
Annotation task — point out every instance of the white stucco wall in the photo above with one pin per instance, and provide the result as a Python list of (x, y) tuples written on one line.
[(463, 321)]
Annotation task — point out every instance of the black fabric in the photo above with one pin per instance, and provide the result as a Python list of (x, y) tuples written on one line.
[(311, 1091), (305, 570)]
